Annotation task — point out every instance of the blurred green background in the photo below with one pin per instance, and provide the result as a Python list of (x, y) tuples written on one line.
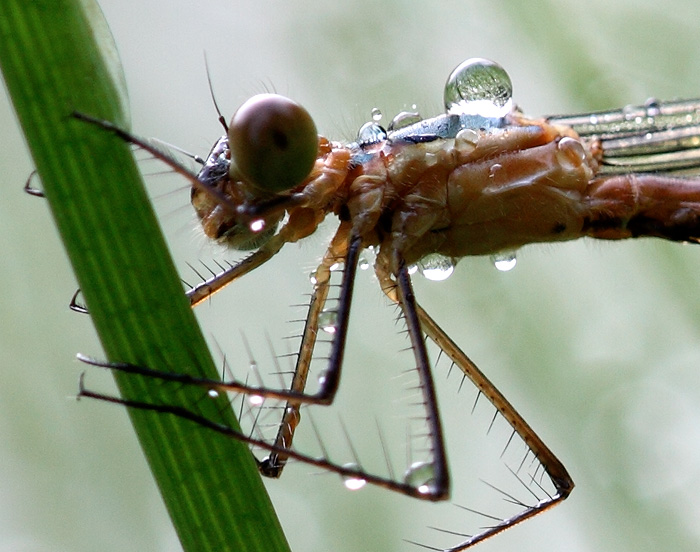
[(595, 343)]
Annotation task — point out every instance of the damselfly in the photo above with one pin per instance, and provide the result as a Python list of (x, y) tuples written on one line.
[(480, 179)]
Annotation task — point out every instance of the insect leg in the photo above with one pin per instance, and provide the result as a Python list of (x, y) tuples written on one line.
[(560, 478), (338, 251)]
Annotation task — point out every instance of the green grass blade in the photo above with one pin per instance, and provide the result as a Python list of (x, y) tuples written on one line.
[(52, 66)]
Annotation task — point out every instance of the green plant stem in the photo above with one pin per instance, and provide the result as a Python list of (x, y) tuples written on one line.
[(52, 65)]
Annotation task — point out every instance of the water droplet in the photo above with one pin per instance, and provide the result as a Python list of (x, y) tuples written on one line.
[(479, 87), (467, 139), (353, 482), (404, 119), (335, 267), (376, 114), (328, 321), (504, 261), (593, 119), (420, 475), (653, 107), (312, 278), (413, 269), (257, 225), (494, 170), (213, 393), (371, 133), (322, 376), (363, 263), (256, 400), (570, 153), (436, 267)]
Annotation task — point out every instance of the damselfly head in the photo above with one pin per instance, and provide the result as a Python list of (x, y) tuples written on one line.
[(270, 148), (273, 142)]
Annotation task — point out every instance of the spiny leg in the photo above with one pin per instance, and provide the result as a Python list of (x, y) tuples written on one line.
[(440, 484), (558, 474), (434, 483), (338, 251), (562, 482)]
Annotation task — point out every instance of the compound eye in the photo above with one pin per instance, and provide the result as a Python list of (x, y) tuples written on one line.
[(273, 143)]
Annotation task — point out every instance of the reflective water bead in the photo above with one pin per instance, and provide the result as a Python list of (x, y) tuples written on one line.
[(363, 263), (371, 133), (653, 107), (256, 400), (467, 139), (404, 119), (504, 261), (312, 278), (353, 482), (570, 153), (436, 267), (376, 114), (328, 321), (213, 393), (420, 475), (479, 87)]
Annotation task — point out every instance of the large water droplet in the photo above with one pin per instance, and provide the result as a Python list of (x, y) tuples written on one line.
[(328, 321), (436, 267), (371, 133), (504, 261), (420, 475), (376, 114), (479, 87), (353, 482)]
